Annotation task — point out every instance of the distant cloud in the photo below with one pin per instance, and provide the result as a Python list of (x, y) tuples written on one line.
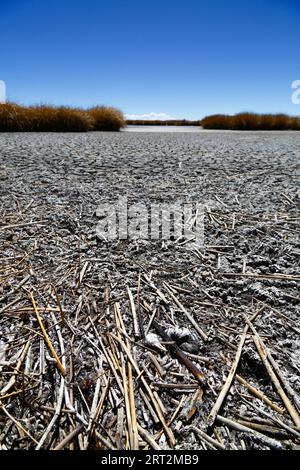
[(2, 92), (150, 116)]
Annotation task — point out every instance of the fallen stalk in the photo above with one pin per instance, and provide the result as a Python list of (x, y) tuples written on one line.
[(47, 339), (268, 441)]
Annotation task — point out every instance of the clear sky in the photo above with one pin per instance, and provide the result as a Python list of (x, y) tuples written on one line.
[(185, 58)]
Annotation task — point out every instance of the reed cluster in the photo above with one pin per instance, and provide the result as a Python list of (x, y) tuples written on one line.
[(44, 118), (251, 122)]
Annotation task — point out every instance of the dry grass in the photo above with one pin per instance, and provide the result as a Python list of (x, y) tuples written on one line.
[(106, 119), (16, 118), (62, 119), (13, 118), (252, 121)]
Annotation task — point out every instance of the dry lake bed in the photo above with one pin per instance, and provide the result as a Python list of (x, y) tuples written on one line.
[(140, 343)]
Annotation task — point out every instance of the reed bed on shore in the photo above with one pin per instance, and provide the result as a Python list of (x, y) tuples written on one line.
[(251, 122), (45, 118)]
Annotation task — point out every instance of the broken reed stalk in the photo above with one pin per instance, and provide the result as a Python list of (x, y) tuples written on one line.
[(268, 441), (140, 319), (135, 434), (100, 407), (262, 351), (136, 329), (188, 315), (265, 429), (157, 364), (47, 339), (62, 314), (56, 415), (148, 438), (127, 384), (286, 385), (202, 435), (258, 394), (217, 406), (94, 407), (287, 277), (279, 422), (15, 289), (17, 424), (69, 437), (12, 380), (157, 408)]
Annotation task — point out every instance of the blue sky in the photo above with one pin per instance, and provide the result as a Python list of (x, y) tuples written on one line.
[(183, 58)]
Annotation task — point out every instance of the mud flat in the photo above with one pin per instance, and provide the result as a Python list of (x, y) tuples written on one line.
[(137, 343)]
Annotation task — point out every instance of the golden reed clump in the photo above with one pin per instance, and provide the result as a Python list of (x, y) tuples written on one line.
[(252, 122), (106, 118), (44, 118)]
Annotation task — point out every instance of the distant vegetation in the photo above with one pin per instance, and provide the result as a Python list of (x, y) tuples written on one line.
[(173, 122), (44, 118), (241, 121), (252, 122), (16, 118)]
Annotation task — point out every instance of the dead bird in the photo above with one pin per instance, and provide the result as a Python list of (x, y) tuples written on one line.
[(184, 338)]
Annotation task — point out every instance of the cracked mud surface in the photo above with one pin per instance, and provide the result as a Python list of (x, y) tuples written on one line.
[(50, 188)]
